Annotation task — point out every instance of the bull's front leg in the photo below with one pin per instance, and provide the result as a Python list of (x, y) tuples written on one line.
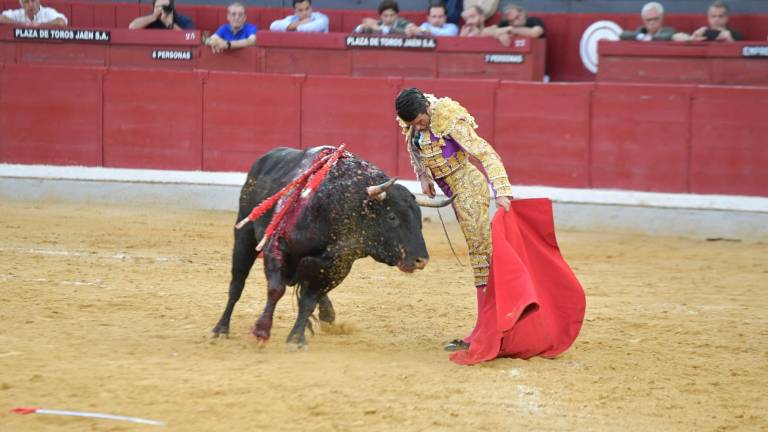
[(243, 256), (275, 290)]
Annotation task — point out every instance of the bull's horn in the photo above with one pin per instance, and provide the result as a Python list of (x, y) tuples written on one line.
[(379, 192), (429, 202)]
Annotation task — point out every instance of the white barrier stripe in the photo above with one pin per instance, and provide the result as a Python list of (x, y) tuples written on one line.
[(556, 194)]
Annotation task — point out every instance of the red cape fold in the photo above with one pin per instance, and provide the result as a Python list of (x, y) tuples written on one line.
[(533, 305)]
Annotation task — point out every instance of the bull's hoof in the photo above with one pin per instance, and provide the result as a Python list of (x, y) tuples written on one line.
[(327, 316), (261, 334), (296, 341), (262, 329), (296, 346), (220, 330)]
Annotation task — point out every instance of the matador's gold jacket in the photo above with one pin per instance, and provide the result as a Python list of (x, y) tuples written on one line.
[(452, 137)]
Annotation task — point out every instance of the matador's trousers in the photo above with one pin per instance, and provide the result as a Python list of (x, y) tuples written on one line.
[(471, 208)]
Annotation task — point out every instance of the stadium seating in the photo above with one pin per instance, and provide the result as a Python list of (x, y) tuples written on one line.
[(564, 30)]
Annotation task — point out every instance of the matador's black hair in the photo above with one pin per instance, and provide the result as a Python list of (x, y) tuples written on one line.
[(410, 103)]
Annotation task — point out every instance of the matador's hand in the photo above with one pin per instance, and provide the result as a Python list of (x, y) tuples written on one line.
[(503, 201), (427, 186)]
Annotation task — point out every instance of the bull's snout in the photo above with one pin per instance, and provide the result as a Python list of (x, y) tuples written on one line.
[(417, 264), (421, 263)]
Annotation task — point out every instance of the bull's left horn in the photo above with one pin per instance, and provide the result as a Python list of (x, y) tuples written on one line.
[(379, 192), (428, 202)]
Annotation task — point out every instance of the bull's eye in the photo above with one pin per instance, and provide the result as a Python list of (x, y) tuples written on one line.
[(392, 219)]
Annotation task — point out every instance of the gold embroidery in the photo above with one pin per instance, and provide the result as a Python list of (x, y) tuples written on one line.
[(471, 207)]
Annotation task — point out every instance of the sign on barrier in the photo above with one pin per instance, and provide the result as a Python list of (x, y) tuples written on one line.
[(172, 55), (504, 58), (754, 51), (390, 42), (78, 35)]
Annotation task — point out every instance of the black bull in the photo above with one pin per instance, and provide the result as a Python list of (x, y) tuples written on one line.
[(356, 212)]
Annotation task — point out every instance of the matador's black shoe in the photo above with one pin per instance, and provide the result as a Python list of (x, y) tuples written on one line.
[(456, 345)]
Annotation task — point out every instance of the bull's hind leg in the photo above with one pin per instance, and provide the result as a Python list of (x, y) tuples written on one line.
[(327, 314), (307, 303), (243, 257), (319, 275)]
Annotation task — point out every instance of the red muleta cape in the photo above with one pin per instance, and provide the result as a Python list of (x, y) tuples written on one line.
[(534, 305)]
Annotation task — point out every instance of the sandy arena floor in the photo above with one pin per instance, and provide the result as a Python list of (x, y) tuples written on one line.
[(109, 309)]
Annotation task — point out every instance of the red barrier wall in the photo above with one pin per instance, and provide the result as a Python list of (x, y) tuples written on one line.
[(543, 132), (700, 139), (244, 117), (673, 62), (729, 148), (153, 119), (54, 118), (62, 54), (640, 137), (243, 60), (355, 111)]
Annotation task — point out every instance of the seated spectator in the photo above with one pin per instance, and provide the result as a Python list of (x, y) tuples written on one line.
[(236, 34), (516, 23), (31, 13), (163, 16), (488, 7), (652, 30), (303, 20), (474, 22), (389, 21), (436, 24), (717, 29)]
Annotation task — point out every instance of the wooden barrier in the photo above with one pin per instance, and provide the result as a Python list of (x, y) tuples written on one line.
[(649, 137), (738, 63), (280, 53)]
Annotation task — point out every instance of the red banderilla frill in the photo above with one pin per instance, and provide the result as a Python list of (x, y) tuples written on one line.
[(309, 180)]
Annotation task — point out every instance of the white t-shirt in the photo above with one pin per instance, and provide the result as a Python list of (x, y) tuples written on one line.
[(44, 15)]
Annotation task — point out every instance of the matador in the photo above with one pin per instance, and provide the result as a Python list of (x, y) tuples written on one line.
[(440, 136)]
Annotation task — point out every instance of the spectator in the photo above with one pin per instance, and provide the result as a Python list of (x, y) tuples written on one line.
[(488, 7), (303, 20), (236, 34), (474, 22), (453, 9), (389, 22), (436, 24), (717, 30), (653, 17), (516, 23), (163, 16), (33, 14)]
